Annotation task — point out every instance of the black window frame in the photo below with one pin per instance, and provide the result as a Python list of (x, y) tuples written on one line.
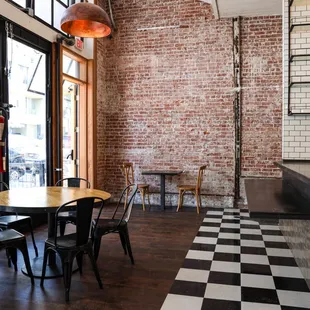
[(31, 4), (30, 39)]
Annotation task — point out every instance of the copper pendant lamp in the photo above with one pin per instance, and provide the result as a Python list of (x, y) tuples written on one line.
[(86, 20)]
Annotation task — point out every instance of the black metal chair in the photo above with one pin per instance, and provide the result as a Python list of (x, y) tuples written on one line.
[(69, 217), (12, 240), (113, 225), (17, 222), (74, 245)]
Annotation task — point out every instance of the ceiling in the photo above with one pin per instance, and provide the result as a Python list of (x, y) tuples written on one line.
[(234, 8)]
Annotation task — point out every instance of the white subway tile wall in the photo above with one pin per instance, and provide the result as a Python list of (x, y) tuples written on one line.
[(296, 128)]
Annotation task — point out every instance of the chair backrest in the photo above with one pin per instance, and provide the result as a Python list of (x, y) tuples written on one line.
[(3, 186), (84, 212), (72, 182), (200, 177), (128, 172), (132, 191)]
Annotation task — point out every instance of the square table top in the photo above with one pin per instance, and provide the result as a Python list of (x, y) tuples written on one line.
[(162, 172)]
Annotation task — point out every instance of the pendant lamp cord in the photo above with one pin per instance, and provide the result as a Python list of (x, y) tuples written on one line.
[(111, 13)]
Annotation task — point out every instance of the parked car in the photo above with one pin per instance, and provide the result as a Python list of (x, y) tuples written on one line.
[(17, 164)]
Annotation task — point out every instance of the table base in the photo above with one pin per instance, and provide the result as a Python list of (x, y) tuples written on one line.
[(54, 271)]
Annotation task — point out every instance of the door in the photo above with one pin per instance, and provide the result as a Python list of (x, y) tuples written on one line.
[(73, 111), (25, 96), (70, 130)]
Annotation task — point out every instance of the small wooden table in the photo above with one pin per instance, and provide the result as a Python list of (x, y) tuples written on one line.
[(45, 200), (162, 174)]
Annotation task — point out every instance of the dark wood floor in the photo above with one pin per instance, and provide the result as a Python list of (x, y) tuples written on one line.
[(159, 240)]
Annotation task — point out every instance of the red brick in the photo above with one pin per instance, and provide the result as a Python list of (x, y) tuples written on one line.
[(160, 90)]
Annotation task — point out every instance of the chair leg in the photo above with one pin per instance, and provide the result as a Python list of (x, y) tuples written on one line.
[(13, 256), (126, 235), (8, 257), (79, 260), (44, 265), (148, 198), (197, 201), (126, 198), (142, 192), (96, 245), (23, 248), (180, 202), (95, 267), (123, 241), (67, 270), (62, 227), (32, 236)]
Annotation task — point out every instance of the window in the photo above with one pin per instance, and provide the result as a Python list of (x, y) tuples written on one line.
[(71, 67), (20, 2), (47, 11), (23, 71)]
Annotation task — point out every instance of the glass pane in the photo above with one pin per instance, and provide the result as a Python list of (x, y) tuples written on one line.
[(70, 122), (37, 84), (27, 130), (58, 11), (71, 67), (20, 2), (43, 10)]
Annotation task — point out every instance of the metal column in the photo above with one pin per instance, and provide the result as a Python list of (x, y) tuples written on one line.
[(237, 103)]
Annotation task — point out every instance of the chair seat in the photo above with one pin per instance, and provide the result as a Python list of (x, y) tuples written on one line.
[(187, 187), (143, 186), (9, 219), (108, 225), (66, 241), (9, 235)]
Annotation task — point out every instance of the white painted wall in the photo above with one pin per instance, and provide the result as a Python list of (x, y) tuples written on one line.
[(296, 128), (15, 15)]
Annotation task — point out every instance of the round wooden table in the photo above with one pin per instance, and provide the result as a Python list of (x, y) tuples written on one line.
[(45, 200)]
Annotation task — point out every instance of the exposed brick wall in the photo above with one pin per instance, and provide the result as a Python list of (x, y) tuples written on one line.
[(261, 51), (161, 90)]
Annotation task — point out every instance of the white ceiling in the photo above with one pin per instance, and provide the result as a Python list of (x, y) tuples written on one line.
[(234, 8)]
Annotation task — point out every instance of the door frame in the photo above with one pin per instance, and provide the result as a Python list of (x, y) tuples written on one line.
[(85, 142), (32, 40)]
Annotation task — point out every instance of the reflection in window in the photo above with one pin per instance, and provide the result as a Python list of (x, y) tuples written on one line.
[(71, 67), (20, 2), (43, 10), (37, 83), (58, 11), (23, 73)]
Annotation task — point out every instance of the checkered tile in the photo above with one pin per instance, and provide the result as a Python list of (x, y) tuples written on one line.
[(236, 263)]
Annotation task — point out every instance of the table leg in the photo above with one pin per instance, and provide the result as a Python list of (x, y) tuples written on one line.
[(162, 191)]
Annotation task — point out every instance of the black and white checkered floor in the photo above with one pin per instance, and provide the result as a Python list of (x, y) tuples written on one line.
[(236, 263)]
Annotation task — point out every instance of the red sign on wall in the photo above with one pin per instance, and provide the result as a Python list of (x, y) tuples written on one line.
[(79, 44)]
